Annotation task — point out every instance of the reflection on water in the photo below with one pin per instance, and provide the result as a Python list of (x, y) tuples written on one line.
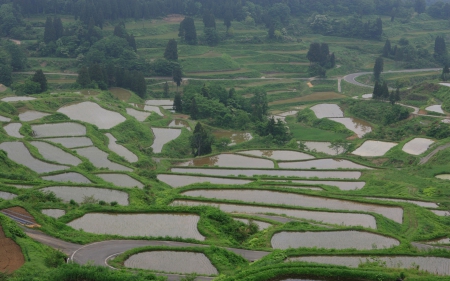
[(327, 110), (177, 123), (230, 160), (358, 126), (235, 137), (286, 155)]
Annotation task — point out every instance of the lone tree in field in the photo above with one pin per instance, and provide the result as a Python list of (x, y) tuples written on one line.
[(39, 77), (177, 103), (387, 49), (187, 31), (201, 141), (171, 52), (84, 79), (177, 76), (378, 68)]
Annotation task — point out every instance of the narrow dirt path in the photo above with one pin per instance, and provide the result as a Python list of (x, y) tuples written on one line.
[(427, 158)]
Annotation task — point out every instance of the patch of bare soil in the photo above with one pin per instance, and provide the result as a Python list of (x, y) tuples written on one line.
[(2, 88), (11, 257), (43, 64), (20, 213), (175, 18)]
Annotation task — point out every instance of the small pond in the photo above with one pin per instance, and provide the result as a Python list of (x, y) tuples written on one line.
[(54, 213), (121, 180), (230, 160), (68, 177), (181, 180), (139, 115), (155, 225), (55, 154), (323, 147), (285, 155), (79, 194), (12, 129), (359, 127), (31, 115), (417, 146), (374, 148), (58, 130), (177, 123), (72, 142), (327, 110), (163, 136), (100, 159), (435, 108), (120, 150), (235, 137), (325, 164)]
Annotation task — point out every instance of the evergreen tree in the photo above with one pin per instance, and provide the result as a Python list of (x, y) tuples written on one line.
[(387, 49), (120, 31), (96, 73), (392, 97), (228, 16), (201, 141), (166, 90), (49, 31), (332, 60), (397, 95), (445, 73), (171, 52), (376, 91), (177, 75), (5, 75), (205, 92), (384, 91), (420, 6), (187, 31), (440, 49), (139, 84), (132, 42), (177, 103), (211, 36), (84, 78), (194, 110), (209, 20), (378, 68), (58, 26), (314, 53), (324, 54), (272, 31), (39, 77)]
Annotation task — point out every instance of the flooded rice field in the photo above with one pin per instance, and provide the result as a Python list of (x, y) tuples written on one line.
[(443, 176), (7, 196), (435, 265), (298, 200), (93, 113), (12, 129), (58, 130), (327, 110), (359, 127), (4, 119), (21, 186), (444, 240), (348, 219), (342, 185), (285, 155), (152, 108), (155, 225), (120, 93), (181, 180), (79, 194), (323, 147), (367, 96), (418, 203), (121, 180), (177, 123), (19, 153), (14, 99), (374, 148), (163, 136), (31, 115), (100, 159), (435, 108), (417, 146), (72, 142), (120, 150), (159, 102), (172, 261), (325, 164), (139, 115), (332, 240), (288, 113), (230, 160), (54, 213), (261, 225), (296, 187), (68, 177), (235, 137), (55, 154), (276, 173), (441, 213)]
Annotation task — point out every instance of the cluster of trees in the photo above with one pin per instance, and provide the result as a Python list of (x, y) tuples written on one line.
[(320, 59), (439, 10), (35, 85), (381, 92), (53, 29), (12, 58), (187, 31), (378, 112), (352, 27), (201, 141), (410, 56), (440, 50), (103, 76)]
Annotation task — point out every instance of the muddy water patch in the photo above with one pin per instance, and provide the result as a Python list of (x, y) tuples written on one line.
[(323, 147), (120, 93), (121, 180), (332, 240), (14, 99), (58, 130), (93, 113), (80, 194), (181, 180), (163, 136), (139, 115), (172, 261), (435, 265), (72, 142), (155, 225), (374, 148), (347, 219), (235, 137), (31, 115), (417, 146), (68, 177), (179, 124), (13, 129), (99, 159), (418, 203), (326, 164), (327, 110), (19, 153), (274, 173), (359, 127), (230, 160), (7, 196), (54, 213), (298, 200), (54, 154), (120, 150), (286, 155)]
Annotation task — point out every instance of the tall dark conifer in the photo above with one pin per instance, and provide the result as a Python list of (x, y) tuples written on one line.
[(378, 68), (171, 52), (177, 75), (84, 78), (187, 31), (384, 91), (387, 49), (177, 103), (58, 26), (39, 77), (49, 31), (376, 91)]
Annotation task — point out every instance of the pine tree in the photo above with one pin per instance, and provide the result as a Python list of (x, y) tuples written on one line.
[(49, 31), (171, 52), (332, 60), (314, 53), (420, 6), (209, 20), (5, 75), (39, 77), (140, 85), (201, 141), (228, 16), (194, 110), (397, 95), (440, 49), (376, 91), (132, 42), (166, 90), (205, 91), (59, 29), (378, 68), (120, 31), (187, 31), (178, 103), (84, 78), (96, 73), (384, 91), (324, 54), (392, 97), (177, 75), (387, 49), (445, 73)]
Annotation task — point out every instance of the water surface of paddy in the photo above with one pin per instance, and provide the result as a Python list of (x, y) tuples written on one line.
[(152, 108), (58, 130), (163, 136), (326, 164), (7, 196), (55, 154), (19, 153), (93, 113), (72, 142), (417, 146), (342, 185), (435, 108), (230, 160), (68, 177), (298, 200), (348, 219), (332, 240), (13, 129), (99, 159), (4, 119), (120, 150), (276, 173), (181, 180), (155, 225), (78, 194), (441, 213), (121, 180), (418, 203), (235, 137), (323, 147), (139, 115), (443, 176), (54, 213), (159, 102), (359, 127), (286, 155), (435, 265), (374, 148), (177, 123), (14, 99), (172, 261), (31, 115), (327, 110)]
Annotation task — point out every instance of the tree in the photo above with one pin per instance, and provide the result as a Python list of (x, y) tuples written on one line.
[(445, 73), (205, 91), (387, 49), (187, 31), (228, 16), (39, 77), (177, 75), (201, 141), (132, 42), (29, 87), (166, 90), (211, 36), (5, 75), (440, 49), (58, 26), (376, 91), (384, 91), (194, 110), (139, 84), (49, 31), (378, 68), (171, 52), (420, 6), (84, 79), (332, 60), (259, 104), (177, 103), (209, 20)]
